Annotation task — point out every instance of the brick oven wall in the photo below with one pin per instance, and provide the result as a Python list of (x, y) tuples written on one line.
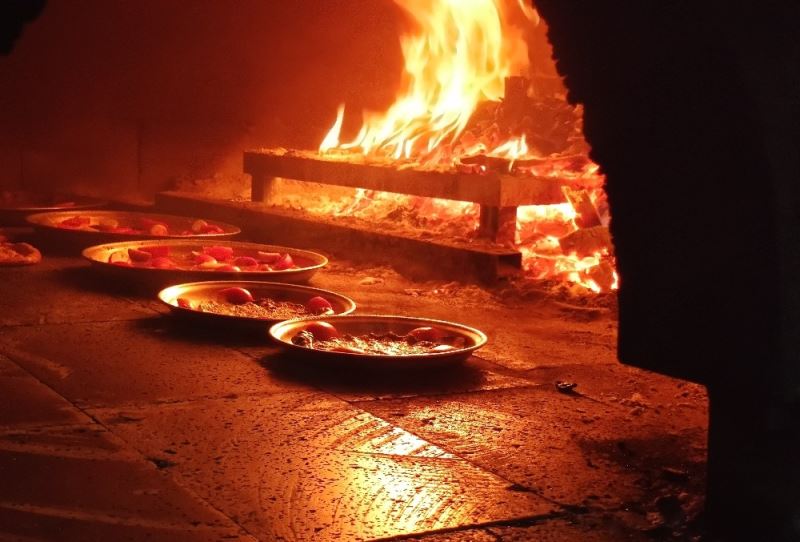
[(126, 98)]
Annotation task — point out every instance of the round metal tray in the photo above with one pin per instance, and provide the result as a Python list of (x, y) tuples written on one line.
[(283, 332), (14, 214), (48, 223), (209, 291), (308, 262)]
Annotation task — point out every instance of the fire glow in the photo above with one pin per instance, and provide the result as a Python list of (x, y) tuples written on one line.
[(459, 57)]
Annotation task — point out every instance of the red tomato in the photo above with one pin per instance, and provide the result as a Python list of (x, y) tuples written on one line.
[(322, 331), (212, 228), (200, 258), (75, 222), (228, 268), (139, 256), (119, 256), (156, 251), (245, 261), (162, 262), (236, 295), (199, 226), (268, 257), (183, 303), (222, 254), (285, 262), (429, 334), (319, 305), (147, 223), (107, 224), (159, 229)]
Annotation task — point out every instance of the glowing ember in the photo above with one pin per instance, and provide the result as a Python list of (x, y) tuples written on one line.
[(456, 62)]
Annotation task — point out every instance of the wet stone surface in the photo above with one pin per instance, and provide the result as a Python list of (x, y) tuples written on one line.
[(120, 422), (58, 290), (320, 467), (134, 361), (83, 484), (571, 449), (25, 401)]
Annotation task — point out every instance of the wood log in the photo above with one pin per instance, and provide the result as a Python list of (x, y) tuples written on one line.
[(492, 188), (586, 242), (602, 275), (498, 224), (587, 215)]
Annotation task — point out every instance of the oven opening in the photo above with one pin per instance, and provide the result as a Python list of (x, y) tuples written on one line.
[(345, 270)]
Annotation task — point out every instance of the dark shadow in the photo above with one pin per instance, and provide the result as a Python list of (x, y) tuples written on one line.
[(88, 278), (361, 378), (197, 331)]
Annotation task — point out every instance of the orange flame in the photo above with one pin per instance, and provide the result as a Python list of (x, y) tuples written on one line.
[(459, 57), (332, 139)]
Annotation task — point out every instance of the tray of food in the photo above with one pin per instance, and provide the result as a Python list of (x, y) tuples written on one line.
[(172, 261), (15, 205), (378, 341), (252, 303), (95, 227)]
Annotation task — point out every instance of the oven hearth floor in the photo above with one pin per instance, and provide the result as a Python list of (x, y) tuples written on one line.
[(118, 424)]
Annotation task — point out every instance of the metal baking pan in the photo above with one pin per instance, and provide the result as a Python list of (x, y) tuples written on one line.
[(308, 263), (283, 332), (198, 292), (16, 205), (178, 226)]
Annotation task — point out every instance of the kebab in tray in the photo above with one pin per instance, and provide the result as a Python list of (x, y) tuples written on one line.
[(321, 335), (207, 258), (239, 301)]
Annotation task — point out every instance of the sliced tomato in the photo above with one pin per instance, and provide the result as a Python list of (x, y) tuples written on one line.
[(245, 261), (156, 250), (139, 256), (221, 253), (162, 262)]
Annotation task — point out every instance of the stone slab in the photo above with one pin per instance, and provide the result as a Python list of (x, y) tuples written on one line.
[(134, 361), (82, 484), (26, 402), (627, 386), (60, 290), (309, 467), (571, 449)]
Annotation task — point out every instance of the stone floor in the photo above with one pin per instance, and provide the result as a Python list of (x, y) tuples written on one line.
[(118, 422)]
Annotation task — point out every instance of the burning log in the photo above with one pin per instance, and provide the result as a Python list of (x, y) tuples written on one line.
[(481, 163), (586, 242), (494, 189), (587, 215), (603, 275)]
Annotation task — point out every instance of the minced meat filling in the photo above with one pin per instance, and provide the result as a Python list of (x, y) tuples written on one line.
[(386, 344), (265, 308)]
